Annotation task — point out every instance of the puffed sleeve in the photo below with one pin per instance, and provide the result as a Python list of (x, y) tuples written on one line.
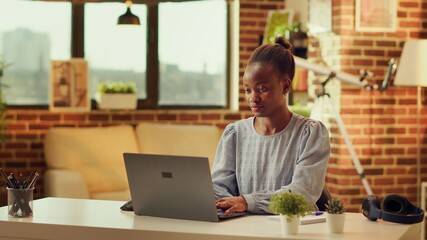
[(310, 171), (224, 166)]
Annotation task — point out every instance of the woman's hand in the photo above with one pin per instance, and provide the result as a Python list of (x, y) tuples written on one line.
[(232, 204)]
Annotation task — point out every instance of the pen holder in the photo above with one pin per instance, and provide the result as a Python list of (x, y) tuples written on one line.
[(20, 202)]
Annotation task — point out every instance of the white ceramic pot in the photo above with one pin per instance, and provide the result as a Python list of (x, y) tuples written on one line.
[(292, 227), (117, 101), (335, 222)]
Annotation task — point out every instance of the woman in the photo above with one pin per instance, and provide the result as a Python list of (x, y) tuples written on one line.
[(275, 150)]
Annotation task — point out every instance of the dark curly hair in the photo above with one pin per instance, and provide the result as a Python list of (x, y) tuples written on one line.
[(278, 55)]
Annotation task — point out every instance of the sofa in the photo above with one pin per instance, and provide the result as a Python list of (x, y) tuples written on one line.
[(88, 162)]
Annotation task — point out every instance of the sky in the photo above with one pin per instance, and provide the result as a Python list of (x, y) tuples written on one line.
[(110, 46)]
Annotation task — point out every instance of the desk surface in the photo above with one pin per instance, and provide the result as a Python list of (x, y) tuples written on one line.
[(62, 218)]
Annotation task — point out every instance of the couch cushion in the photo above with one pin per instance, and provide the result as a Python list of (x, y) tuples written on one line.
[(96, 152), (178, 139)]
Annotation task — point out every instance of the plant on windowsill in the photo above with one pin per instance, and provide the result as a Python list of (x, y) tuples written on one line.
[(335, 215), (291, 207), (116, 95)]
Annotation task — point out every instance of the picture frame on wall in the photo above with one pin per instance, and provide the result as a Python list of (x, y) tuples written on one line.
[(376, 16), (69, 86), (277, 23)]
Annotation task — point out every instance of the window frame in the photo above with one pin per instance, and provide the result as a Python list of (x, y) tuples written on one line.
[(152, 72)]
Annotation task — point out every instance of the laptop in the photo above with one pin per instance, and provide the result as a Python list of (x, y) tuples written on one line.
[(172, 187)]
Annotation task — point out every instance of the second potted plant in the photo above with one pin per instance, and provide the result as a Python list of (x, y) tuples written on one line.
[(116, 95), (335, 215), (291, 207)]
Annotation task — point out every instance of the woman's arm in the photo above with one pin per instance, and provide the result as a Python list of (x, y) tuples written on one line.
[(224, 166)]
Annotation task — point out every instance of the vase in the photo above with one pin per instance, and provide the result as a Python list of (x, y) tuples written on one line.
[(117, 101), (335, 222), (290, 227)]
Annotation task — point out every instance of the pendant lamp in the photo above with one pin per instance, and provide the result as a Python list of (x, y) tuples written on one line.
[(128, 18)]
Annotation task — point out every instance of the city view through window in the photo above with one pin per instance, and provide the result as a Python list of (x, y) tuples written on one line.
[(192, 53), (28, 43), (192, 49)]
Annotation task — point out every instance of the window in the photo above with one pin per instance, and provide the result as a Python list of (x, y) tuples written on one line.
[(115, 53), (178, 57), (42, 32), (192, 53)]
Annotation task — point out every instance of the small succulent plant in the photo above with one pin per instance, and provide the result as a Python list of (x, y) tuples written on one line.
[(334, 206)]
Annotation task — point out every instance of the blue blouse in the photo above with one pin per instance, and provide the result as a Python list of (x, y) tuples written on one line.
[(257, 166)]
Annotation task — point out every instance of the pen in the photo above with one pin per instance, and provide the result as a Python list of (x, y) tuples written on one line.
[(28, 180), (317, 213), (33, 181), (3, 175), (12, 181)]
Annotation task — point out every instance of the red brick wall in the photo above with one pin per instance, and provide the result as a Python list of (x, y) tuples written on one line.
[(381, 125)]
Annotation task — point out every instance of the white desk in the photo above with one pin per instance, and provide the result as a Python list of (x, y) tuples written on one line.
[(61, 218)]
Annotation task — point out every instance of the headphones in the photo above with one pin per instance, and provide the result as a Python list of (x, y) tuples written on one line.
[(395, 208)]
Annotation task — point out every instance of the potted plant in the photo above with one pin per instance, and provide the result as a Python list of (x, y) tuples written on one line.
[(335, 215), (116, 95), (291, 207)]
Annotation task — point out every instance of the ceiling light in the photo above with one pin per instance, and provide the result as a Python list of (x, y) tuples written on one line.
[(128, 18)]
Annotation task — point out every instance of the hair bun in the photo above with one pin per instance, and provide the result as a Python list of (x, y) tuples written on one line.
[(282, 42)]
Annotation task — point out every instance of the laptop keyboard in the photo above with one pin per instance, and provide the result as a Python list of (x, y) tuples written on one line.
[(222, 215)]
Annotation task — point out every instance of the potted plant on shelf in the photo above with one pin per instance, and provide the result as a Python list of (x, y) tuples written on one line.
[(335, 215), (116, 95), (291, 207)]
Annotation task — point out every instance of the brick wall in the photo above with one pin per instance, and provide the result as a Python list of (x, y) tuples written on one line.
[(382, 126)]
